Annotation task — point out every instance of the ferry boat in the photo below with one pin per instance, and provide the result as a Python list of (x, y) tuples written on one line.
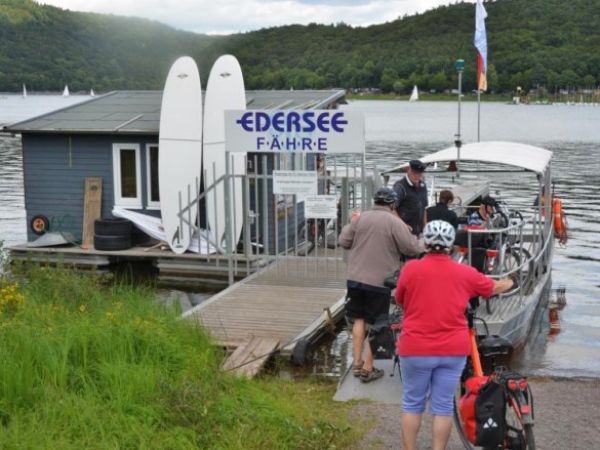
[(519, 241)]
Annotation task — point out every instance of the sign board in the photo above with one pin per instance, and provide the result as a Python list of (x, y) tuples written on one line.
[(320, 207), (288, 131), (299, 182)]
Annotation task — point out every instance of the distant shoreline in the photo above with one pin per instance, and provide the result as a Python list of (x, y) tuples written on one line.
[(469, 97), (430, 97)]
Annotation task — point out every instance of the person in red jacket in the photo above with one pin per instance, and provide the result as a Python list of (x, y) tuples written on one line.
[(434, 342)]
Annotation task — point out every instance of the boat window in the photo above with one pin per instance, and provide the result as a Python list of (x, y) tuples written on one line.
[(152, 176), (126, 172)]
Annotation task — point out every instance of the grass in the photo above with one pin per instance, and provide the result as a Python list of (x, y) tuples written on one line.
[(90, 365)]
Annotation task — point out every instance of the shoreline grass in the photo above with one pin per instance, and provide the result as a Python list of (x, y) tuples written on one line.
[(89, 365)]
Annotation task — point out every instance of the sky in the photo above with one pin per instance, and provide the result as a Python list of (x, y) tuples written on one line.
[(232, 16)]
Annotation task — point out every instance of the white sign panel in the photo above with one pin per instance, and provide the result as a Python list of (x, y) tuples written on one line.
[(300, 182), (320, 207), (288, 131)]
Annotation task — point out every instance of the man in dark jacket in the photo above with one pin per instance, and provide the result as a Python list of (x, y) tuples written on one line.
[(441, 210), (412, 197)]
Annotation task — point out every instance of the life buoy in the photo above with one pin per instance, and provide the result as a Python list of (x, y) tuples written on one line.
[(560, 221)]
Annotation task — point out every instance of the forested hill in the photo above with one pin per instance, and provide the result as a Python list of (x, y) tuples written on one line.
[(553, 43)]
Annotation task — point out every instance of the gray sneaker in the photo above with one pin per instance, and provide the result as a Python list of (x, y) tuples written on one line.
[(371, 375)]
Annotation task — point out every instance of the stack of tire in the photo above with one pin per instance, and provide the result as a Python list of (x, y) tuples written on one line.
[(112, 234)]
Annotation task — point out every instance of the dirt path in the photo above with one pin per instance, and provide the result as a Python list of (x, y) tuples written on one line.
[(567, 416)]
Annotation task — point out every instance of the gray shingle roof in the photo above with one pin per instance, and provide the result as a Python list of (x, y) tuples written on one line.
[(138, 112)]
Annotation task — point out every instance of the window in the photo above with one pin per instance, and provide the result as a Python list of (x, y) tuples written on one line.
[(127, 176), (152, 175)]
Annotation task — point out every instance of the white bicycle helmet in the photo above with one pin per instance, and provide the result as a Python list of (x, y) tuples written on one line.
[(439, 234)]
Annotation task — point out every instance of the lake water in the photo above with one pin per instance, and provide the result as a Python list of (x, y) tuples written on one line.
[(397, 131)]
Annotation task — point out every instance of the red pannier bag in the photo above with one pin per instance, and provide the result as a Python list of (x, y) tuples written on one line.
[(467, 406)]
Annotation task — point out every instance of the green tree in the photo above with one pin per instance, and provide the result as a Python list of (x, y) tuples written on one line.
[(388, 78)]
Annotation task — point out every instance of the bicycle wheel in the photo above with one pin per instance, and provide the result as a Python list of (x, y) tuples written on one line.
[(512, 261), (519, 436), (460, 430)]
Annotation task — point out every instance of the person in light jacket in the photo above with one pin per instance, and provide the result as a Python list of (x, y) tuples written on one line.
[(377, 239)]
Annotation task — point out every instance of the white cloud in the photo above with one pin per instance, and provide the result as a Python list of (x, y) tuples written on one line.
[(230, 16)]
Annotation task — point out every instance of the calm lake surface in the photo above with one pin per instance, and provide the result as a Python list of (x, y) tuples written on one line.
[(398, 131)]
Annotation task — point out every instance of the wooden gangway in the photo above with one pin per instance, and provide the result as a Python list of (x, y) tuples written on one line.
[(292, 298)]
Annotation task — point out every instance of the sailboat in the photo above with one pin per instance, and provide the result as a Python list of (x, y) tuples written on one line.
[(66, 91), (24, 91), (414, 96)]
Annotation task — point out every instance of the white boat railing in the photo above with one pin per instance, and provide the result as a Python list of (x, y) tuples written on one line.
[(528, 255)]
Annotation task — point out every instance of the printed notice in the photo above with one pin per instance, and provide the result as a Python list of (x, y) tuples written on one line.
[(299, 182), (320, 207)]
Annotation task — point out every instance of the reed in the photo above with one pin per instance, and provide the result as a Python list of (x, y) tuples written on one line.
[(89, 365)]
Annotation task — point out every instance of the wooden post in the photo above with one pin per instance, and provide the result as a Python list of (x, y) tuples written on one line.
[(92, 210)]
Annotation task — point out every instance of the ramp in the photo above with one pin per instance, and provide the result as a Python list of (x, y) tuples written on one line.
[(292, 298)]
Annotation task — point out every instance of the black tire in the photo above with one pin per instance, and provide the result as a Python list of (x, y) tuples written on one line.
[(300, 352), (138, 237), (112, 227), (513, 259), (529, 437), (519, 435), (111, 243), (39, 224), (459, 429)]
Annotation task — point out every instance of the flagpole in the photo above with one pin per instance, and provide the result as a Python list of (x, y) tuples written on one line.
[(459, 65), (478, 114)]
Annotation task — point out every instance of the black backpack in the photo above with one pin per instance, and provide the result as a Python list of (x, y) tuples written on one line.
[(382, 340), (490, 413)]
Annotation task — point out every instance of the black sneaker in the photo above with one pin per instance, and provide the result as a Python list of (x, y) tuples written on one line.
[(372, 375)]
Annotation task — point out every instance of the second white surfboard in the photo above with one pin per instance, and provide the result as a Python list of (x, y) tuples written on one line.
[(224, 91)]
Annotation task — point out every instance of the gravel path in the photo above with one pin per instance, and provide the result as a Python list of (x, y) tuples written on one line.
[(567, 417)]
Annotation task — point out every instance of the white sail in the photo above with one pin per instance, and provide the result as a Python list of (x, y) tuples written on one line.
[(92, 93), (24, 91), (414, 96), (66, 91)]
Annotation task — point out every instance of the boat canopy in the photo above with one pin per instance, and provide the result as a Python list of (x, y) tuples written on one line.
[(527, 157)]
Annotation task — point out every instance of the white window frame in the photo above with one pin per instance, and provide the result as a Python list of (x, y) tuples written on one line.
[(151, 204), (119, 199)]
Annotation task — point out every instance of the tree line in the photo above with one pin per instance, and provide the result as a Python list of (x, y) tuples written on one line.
[(531, 43)]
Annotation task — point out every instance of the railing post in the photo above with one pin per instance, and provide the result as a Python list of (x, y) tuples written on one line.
[(228, 212)]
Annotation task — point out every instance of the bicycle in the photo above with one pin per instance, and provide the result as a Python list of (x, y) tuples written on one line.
[(511, 426), (496, 252)]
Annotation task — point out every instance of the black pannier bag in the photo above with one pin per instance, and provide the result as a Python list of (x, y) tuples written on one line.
[(381, 339), (490, 413)]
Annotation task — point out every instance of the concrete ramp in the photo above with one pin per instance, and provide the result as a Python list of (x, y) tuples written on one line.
[(387, 389)]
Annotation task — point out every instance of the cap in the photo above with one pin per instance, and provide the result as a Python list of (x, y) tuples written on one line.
[(489, 201), (417, 165)]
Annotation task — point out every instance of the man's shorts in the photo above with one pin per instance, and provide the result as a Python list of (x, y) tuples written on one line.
[(365, 303)]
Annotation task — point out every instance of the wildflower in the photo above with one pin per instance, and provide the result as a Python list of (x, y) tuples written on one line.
[(82, 308)]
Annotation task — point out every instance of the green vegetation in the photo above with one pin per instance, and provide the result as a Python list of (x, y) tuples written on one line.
[(86, 365), (443, 97), (549, 43)]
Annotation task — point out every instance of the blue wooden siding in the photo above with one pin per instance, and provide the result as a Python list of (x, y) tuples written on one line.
[(55, 168)]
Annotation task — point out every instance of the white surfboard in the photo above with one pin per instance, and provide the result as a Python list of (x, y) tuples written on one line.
[(180, 151), (224, 91)]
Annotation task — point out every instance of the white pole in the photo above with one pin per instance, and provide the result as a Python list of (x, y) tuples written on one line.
[(478, 115)]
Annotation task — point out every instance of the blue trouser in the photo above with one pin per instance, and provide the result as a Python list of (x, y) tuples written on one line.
[(437, 375)]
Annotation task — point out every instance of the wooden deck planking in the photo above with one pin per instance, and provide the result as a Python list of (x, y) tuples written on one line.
[(280, 302), (250, 357)]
